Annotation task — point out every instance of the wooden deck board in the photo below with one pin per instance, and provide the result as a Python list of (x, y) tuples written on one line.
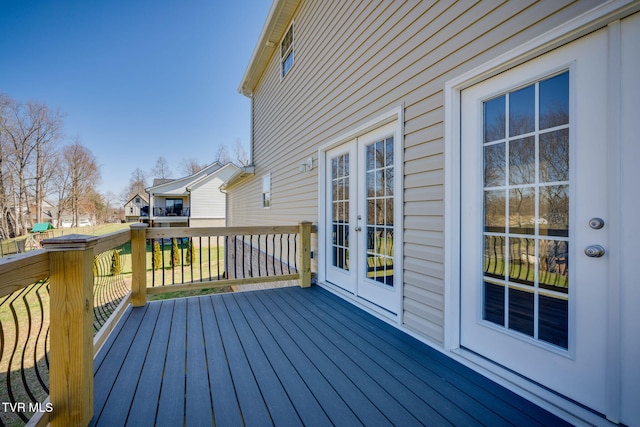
[(225, 405), (380, 393), (390, 368), (198, 409), (452, 403), (311, 390), (286, 356), (252, 406), (144, 404), (122, 393), (345, 389), (511, 407), (172, 394), (302, 399)]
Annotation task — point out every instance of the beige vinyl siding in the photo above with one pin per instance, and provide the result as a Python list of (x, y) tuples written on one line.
[(355, 61), (207, 201)]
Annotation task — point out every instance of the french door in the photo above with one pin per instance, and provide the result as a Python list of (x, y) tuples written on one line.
[(361, 217), (533, 237)]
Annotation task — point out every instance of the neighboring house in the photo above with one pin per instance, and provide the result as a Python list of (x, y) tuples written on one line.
[(456, 158), (192, 201), (48, 210), (136, 207)]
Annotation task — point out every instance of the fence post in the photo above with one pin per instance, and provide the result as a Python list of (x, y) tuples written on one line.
[(305, 254), (71, 339), (139, 264)]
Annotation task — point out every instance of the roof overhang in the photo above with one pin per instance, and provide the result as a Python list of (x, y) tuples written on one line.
[(277, 22), (241, 173)]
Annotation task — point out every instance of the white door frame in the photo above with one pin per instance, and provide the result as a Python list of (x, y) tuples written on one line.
[(604, 15), (395, 115)]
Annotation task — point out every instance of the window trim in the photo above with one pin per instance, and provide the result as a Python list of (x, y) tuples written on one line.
[(266, 195), (290, 52)]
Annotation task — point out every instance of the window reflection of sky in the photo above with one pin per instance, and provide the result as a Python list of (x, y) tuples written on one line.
[(554, 101), (494, 114), (522, 111)]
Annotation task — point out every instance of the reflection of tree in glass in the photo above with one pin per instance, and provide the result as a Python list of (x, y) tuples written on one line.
[(522, 155), (494, 131), (554, 156), (554, 207)]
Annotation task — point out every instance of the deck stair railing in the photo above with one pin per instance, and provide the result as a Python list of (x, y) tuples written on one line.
[(58, 304)]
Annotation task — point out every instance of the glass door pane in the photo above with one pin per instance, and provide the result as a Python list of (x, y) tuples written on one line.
[(379, 217), (340, 182), (526, 210)]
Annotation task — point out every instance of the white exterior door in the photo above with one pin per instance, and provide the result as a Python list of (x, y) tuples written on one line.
[(533, 180), (361, 211)]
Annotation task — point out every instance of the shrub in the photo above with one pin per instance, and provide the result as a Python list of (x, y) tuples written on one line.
[(157, 255), (175, 253), (116, 267), (191, 255)]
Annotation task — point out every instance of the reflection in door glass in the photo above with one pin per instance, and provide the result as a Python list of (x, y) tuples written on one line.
[(379, 188), (526, 210), (340, 211)]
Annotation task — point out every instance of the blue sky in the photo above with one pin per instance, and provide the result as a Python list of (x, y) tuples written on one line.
[(137, 79)]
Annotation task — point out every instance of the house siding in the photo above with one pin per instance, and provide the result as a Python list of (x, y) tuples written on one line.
[(355, 61), (207, 202)]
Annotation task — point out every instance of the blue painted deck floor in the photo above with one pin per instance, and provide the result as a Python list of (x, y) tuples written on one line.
[(286, 356)]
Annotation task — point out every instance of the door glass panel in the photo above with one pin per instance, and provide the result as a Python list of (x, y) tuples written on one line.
[(526, 217), (494, 119), (379, 187), (554, 156), (522, 111), (494, 165), (340, 211), (554, 101)]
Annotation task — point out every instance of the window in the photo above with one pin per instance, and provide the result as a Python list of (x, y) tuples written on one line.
[(286, 51), (174, 207), (266, 191)]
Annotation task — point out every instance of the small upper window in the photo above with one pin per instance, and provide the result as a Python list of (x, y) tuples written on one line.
[(266, 191), (286, 51)]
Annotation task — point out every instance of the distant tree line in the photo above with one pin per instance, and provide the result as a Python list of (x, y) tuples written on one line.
[(38, 163), (140, 179)]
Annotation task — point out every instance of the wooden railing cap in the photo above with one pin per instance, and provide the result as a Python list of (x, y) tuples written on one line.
[(139, 225), (71, 242)]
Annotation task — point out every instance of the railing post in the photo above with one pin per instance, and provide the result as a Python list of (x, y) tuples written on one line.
[(139, 264), (305, 254), (71, 339)]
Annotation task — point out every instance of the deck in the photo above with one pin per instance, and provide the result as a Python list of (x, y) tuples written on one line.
[(287, 356)]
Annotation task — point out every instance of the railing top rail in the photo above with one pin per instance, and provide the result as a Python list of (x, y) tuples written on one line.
[(20, 271), (112, 241), (169, 232)]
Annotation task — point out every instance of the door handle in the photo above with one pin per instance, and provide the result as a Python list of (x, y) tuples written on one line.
[(358, 228), (594, 251)]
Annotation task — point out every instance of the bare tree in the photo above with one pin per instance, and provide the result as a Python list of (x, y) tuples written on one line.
[(161, 169), (222, 154), (18, 130), (242, 159), (110, 212), (83, 174), (7, 224), (28, 137), (137, 183), (48, 134), (191, 166)]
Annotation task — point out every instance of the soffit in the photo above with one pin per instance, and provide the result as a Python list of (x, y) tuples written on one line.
[(277, 22)]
